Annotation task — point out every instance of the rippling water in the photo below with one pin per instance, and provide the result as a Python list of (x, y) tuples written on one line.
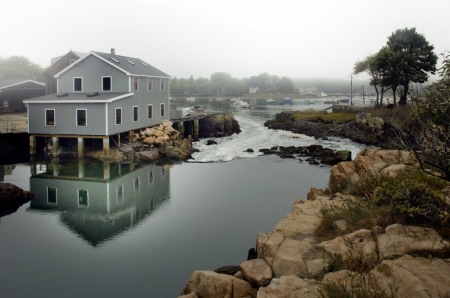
[(109, 230)]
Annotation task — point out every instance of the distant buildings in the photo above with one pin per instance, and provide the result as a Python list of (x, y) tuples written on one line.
[(253, 90), (14, 92)]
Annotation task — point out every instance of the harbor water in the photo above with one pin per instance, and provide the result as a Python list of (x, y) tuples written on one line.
[(140, 230)]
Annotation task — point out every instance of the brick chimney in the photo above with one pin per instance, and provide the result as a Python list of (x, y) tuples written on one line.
[(113, 51)]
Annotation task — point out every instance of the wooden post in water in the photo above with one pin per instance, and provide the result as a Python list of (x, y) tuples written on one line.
[(180, 128), (33, 165), (106, 146), (32, 145), (55, 145), (106, 170), (81, 168), (80, 147), (196, 129)]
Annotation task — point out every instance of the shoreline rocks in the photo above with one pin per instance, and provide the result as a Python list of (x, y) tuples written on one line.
[(12, 197), (290, 260), (316, 153), (365, 129)]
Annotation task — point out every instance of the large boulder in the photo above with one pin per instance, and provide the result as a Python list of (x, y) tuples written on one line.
[(313, 193), (209, 284), (178, 153), (149, 155), (257, 272), (167, 123), (289, 287), (158, 133), (289, 260), (412, 277), (12, 197), (149, 140), (399, 240)]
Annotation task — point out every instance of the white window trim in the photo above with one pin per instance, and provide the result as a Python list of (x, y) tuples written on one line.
[(139, 183), (109, 81), (132, 83), (153, 177), (152, 84), (137, 113), (162, 109), (115, 116), (76, 117), (54, 116), (56, 195), (161, 85), (152, 112), (78, 197), (81, 84), (117, 192)]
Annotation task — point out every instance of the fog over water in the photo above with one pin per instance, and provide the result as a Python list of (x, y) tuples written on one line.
[(243, 38)]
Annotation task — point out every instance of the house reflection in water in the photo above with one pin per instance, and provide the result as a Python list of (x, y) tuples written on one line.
[(99, 200)]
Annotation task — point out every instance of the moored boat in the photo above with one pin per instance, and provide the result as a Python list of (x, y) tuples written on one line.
[(269, 101)]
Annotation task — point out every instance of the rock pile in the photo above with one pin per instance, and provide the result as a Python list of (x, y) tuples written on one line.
[(316, 153)]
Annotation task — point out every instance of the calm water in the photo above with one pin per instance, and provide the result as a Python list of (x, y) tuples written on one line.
[(109, 230)]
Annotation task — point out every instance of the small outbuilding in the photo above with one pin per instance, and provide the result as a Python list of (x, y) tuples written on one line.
[(14, 92)]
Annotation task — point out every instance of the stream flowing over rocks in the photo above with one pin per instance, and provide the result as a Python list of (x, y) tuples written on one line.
[(290, 258)]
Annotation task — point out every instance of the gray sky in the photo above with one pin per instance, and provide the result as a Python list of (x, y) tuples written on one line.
[(242, 38)]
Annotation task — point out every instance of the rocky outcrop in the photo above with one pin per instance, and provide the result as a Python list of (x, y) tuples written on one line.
[(291, 252), (316, 154), (374, 162), (218, 126), (209, 284), (290, 286), (365, 129), (412, 277), (257, 272), (12, 197)]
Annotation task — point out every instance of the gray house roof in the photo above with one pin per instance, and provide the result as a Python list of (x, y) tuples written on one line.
[(56, 59), (129, 65), (10, 83), (102, 97)]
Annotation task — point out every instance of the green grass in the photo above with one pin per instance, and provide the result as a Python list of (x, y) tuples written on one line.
[(338, 118)]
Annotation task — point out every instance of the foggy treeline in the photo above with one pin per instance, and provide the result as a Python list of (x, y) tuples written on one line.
[(305, 85)]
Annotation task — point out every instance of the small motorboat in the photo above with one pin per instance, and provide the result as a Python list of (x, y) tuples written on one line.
[(269, 101), (347, 100), (241, 104), (288, 101), (190, 98)]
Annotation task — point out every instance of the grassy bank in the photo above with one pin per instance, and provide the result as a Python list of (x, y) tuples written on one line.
[(338, 118)]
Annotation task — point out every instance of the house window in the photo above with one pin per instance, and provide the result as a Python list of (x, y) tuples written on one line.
[(136, 183), (49, 117), (81, 117), (52, 195), (135, 83), (149, 83), (72, 61), (162, 84), (135, 114), (77, 84), (150, 111), (120, 194), (162, 110), (150, 177), (119, 116), (106, 83), (83, 197)]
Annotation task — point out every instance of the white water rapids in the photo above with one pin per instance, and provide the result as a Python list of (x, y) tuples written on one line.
[(256, 136)]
